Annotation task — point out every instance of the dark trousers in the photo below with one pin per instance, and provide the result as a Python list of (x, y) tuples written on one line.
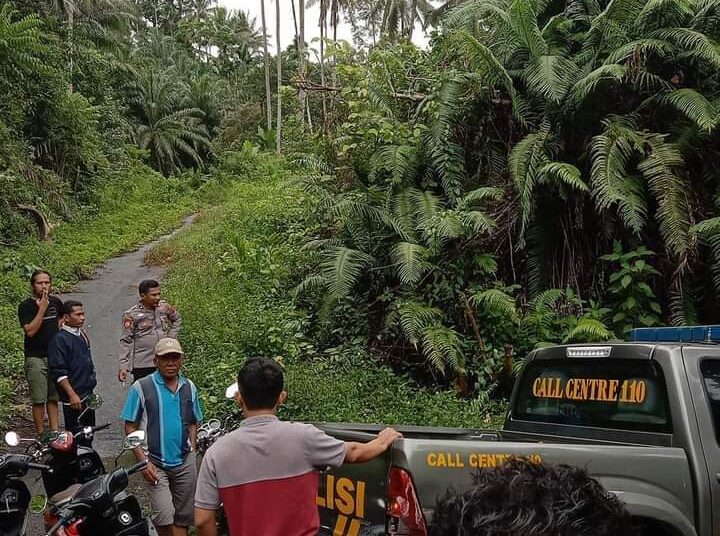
[(74, 422), (139, 373)]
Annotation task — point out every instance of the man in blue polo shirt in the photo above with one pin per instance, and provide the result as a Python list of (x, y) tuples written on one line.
[(165, 404)]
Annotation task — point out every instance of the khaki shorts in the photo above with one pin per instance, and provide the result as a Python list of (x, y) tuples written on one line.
[(42, 389), (173, 497)]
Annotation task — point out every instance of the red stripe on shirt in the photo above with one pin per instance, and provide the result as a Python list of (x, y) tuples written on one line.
[(280, 507)]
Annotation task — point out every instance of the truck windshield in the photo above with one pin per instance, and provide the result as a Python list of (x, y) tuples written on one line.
[(622, 394)]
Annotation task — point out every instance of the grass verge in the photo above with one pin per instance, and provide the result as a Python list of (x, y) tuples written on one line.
[(232, 277)]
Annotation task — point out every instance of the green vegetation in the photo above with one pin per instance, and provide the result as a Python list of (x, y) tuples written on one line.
[(541, 172), (232, 276)]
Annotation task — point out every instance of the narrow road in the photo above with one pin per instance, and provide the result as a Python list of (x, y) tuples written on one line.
[(113, 289)]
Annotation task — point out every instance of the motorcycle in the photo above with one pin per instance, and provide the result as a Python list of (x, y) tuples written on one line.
[(15, 499), (69, 456), (101, 506), (213, 429)]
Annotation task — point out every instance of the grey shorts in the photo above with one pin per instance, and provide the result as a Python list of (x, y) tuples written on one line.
[(42, 388), (172, 498)]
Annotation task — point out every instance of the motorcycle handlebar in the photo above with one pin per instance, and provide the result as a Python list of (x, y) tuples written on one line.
[(41, 466), (140, 466), (102, 427)]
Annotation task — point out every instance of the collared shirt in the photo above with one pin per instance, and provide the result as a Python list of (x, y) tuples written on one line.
[(164, 415), (78, 332), (69, 357), (265, 473), (142, 328)]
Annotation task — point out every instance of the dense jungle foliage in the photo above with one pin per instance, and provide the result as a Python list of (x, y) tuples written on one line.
[(541, 172)]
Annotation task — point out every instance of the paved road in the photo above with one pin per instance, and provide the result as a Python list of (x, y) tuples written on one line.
[(112, 290)]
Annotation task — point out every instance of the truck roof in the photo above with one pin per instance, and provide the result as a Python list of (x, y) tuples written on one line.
[(615, 349)]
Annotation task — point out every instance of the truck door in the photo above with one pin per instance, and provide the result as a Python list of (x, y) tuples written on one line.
[(351, 499), (703, 373)]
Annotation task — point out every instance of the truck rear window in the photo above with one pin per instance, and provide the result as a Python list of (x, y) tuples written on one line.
[(622, 394)]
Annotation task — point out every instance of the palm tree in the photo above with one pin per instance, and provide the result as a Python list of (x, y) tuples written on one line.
[(173, 135), (399, 16), (278, 56), (268, 101), (100, 20)]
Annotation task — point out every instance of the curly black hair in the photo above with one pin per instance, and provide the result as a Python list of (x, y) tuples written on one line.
[(521, 498)]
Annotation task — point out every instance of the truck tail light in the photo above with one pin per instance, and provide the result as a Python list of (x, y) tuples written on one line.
[(406, 516)]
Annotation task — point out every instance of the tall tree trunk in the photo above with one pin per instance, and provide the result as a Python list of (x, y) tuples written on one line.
[(302, 94), (323, 26), (413, 18), (268, 99), (278, 125), (71, 45)]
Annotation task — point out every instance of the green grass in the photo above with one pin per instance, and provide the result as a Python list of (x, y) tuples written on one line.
[(232, 277), (136, 205)]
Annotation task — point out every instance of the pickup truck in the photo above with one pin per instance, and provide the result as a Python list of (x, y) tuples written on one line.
[(642, 417)]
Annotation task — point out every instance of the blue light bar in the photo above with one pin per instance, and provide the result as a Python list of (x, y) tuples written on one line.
[(677, 334)]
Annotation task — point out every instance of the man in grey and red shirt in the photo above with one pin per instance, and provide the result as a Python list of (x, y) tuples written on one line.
[(265, 473)]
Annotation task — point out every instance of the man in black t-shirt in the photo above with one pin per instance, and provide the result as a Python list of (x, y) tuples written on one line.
[(40, 319)]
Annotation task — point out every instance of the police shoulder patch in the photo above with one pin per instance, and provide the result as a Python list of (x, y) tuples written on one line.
[(127, 321)]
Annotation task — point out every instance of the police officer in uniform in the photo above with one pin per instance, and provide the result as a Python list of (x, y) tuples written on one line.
[(143, 325)]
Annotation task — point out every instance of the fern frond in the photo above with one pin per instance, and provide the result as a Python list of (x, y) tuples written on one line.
[(547, 300), (523, 21), (496, 301), (415, 317), (551, 76), (526, 159), (589, 330), (660, 168), (694, 105), (584, 87), (612, 182), (442, 348), (411, 261), (341, 268), (481, 194), (565, 173)]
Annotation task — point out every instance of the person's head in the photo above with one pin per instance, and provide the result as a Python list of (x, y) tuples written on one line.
[(73, 313), (169, 357), (521, 498), (260, 385), (149, 291), (40, 281)]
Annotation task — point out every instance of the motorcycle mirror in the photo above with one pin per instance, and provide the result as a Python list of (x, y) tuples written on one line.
[(93, 401), (37, 504), (12, 439), (134, 439), (231, 390), (214, 424)]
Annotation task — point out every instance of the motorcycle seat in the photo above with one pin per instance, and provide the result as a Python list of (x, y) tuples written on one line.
[(65, 495)]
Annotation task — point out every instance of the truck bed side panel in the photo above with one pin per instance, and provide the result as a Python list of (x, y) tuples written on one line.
[(651, 480)]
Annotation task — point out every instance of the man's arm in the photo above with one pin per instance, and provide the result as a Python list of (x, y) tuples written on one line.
[(205, 522), (192, 435), (73, 397), (176, 320), (57, 365), (31, 328), (149, 473), (363, 452), (127, 344)]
